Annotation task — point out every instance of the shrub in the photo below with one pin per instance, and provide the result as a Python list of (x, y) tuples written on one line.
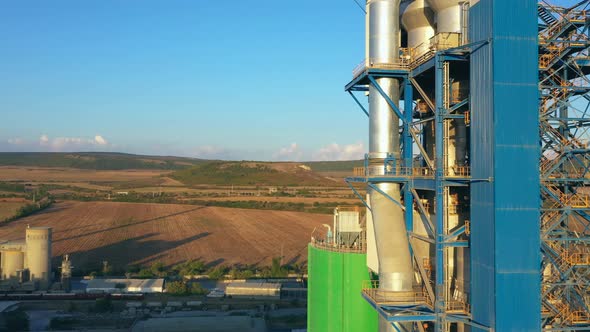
[(177, 288), (145, 274), (217, 272), (276, 270), (192, 267), (159, 269), (197, 289)]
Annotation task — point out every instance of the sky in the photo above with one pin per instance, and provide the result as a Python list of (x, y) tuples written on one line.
[(234, 79)]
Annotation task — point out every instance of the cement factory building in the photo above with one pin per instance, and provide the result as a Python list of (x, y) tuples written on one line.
[(477, 174), (28, 260)]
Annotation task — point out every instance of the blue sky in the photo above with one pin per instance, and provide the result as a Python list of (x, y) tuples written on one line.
[(228, 79)]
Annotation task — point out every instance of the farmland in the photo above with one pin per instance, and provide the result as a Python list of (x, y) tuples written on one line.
[(140, 234), (9, 207), (73, 175), (283, 186), (221, 212)]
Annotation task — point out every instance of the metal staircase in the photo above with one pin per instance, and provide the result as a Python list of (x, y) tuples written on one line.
[(546, 16), (564, 110)]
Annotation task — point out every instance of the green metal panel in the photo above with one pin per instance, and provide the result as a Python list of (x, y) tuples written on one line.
[(334, 302)]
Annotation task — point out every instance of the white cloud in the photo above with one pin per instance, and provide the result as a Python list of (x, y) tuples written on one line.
[(16, 141), (44, 139), (57, 144), (100, 140), (336, 151), (289, 153)]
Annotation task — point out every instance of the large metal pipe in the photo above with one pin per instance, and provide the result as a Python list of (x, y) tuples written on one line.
[(395, 265), (417, 20), (448, 15)]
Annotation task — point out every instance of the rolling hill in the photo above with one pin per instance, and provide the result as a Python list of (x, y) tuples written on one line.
[(95, 160), (252, 173), (121, 161), (141, 234)]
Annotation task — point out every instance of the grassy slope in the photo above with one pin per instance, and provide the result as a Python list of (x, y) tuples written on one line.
[(248, 173), (119, 161), (94, 160)]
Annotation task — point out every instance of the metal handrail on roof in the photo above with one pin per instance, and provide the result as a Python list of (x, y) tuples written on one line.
[(399, 64), (379, 296), (320, 244)]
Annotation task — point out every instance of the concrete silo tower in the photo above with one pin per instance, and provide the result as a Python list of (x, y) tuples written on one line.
[(38, 254)]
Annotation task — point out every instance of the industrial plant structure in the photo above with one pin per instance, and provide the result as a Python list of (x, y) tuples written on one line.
[(478, 214), (28, 260), (336, 271)]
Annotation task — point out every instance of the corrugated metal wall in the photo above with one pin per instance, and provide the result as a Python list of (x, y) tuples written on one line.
[(334, 301), (505, 239)]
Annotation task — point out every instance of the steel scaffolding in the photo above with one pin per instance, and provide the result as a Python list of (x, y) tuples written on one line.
[(564, 136), (421, 175), (564, 64)]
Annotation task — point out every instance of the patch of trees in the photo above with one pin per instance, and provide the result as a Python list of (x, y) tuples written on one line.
[(198, 267), (31, 208), (182, 288)]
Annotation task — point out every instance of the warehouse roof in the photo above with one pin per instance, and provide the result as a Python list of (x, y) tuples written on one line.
[(257, 285), (131, 285)]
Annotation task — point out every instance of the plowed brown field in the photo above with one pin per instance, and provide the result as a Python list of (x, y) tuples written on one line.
[(130, 233)]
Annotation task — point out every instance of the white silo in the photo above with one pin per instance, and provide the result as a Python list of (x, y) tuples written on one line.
[(13, 258), (38, 254)]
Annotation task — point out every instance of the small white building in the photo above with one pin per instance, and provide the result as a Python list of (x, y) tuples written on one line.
[(146, 286), (125, 286), (254, 290)]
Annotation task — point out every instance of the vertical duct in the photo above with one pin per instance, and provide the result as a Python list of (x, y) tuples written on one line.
[(395, 264), (449, 20), (417, 20)]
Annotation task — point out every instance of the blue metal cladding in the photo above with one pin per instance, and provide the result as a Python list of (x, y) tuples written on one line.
[(505, 231)]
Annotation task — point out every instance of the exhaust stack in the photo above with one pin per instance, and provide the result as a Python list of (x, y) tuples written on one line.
[(383, 41)]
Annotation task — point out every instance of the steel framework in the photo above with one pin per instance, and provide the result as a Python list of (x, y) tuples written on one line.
[(564, 64), (565, 173), (432, 301)]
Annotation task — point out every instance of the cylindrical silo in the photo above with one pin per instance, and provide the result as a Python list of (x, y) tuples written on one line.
[(39, 254), (12, 261), (12, 258)]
